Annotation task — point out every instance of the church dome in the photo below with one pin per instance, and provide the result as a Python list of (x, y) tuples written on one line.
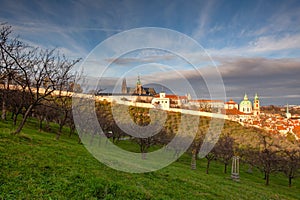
[(246, 105), (245, 102)]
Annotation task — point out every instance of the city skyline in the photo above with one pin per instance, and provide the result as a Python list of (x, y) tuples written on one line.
[(255, 45)]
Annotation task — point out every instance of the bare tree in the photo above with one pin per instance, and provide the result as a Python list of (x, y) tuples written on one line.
[(224, 150), (210, 157), (291, 164), (63, 105), (43, 72), (17, 100), (8, 68), (46, 111), (35, 71), (198, 140), (268, 159)]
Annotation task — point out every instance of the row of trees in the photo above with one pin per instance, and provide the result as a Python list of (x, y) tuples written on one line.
[(256, 148), (32, 81), (259, 149), (274, 153)]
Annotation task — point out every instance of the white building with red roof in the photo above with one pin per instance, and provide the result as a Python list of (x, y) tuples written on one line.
[(231, 105), (161, 101)]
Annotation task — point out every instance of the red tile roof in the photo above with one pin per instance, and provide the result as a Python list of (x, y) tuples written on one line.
[(296, 130), (206, 101), (233, 111), (280, 128), (230, 102)]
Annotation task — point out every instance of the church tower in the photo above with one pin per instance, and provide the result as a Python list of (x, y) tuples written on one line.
[(124, 87), (288, 114), (139, 86), (256, 106)]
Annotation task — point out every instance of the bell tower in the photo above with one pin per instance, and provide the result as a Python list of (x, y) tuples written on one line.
[(256, 106), (139, 86)]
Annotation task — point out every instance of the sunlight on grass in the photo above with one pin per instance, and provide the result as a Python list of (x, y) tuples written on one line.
[(36, 166)]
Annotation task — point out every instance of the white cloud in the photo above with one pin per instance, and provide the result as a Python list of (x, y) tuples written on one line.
[(261, 46), (273, 43)]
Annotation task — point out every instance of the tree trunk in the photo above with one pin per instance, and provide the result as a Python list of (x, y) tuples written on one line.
[(3, 115), (290, 181), (61, 125), (143, 150), (15, 119), (207, 166), (16, 114), (72, 128), (60, 128), (267, 178), (225, 168), (40, 124), (23, 120), (193, 162), (47, 126), (59, 131), (58, 134)]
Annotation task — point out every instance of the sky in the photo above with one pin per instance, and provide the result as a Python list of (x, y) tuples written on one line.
[(255, 45)]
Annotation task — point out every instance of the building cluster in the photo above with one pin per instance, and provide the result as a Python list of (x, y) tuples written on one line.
[(278, 124), (246, 112), (249, 114), (161, 100), (239, 112)]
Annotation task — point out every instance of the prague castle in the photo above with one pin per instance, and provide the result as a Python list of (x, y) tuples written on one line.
[(139, 89)]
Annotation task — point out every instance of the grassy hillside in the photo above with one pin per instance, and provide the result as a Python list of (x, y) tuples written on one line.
[(34, 165)]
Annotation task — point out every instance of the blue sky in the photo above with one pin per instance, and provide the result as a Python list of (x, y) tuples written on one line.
[(256, 44)]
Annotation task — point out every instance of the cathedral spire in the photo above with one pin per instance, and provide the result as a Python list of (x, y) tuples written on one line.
[(124, 86)]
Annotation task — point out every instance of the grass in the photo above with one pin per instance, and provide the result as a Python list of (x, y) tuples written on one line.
[(33, 165)]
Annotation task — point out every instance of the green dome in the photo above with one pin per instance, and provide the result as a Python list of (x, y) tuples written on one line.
[(245, 102)]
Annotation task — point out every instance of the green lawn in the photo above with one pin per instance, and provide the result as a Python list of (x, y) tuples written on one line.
[(33, 165)]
